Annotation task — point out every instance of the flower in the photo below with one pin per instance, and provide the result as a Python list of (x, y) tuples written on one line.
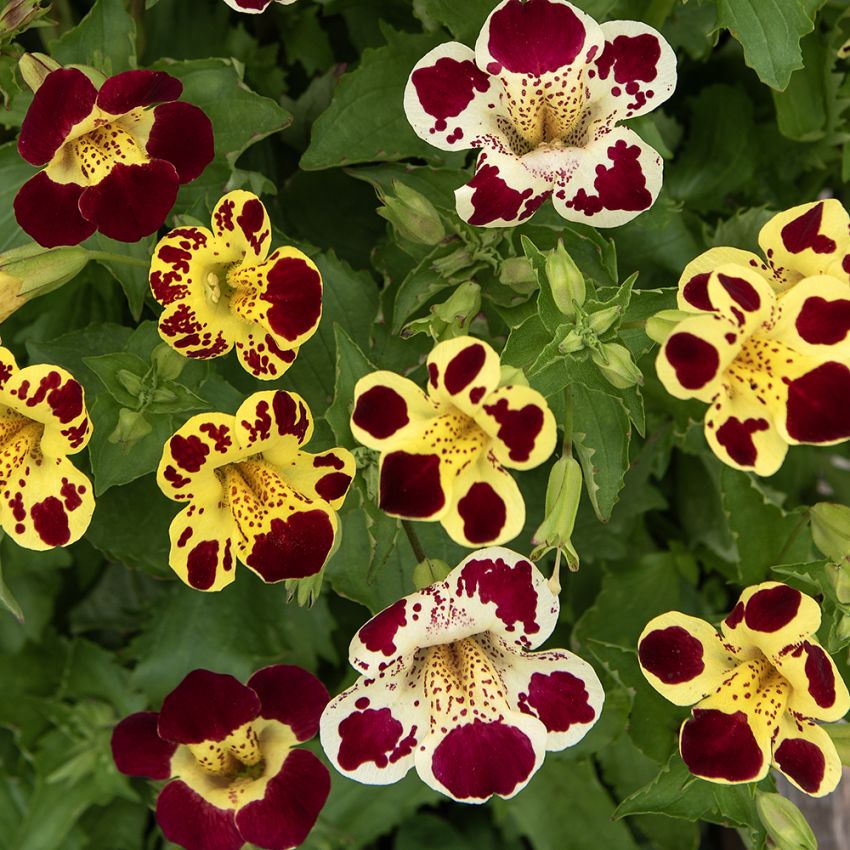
[(222, 288), (254, 7), (446, 685), (758, 687), (768, 348), (111, 163), (46, 500), (541, 95), (252, 493), (230, 752), (443, 455)]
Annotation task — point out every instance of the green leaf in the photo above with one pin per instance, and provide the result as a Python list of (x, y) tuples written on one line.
[(104, 38), (133, 277), (351, 365), (14, 172), (8, 601), (463, 22)]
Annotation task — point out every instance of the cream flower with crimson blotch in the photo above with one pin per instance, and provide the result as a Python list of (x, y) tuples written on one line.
[(46, 501), (444, 453), (253, 494), (222, 288), (541, 96), (447, 685), (231, 753), (111, 162), (254, 7), (769, 348), (758, 688)]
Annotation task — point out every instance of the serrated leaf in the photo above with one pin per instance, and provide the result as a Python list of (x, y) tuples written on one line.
[(105, 38)]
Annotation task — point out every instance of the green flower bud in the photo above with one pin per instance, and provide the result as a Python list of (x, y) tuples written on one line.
[(130, 381), (131, 427), (167, 363), (601, 320), (412, 215), (454, 262), (35, 67), (451, 318), (429, 571), (785, 823), (571, 343), (831, 530), (563, 493), (661, 325), (616, 364), (518, 274), (161, 394), (19, 14), (565, 281)]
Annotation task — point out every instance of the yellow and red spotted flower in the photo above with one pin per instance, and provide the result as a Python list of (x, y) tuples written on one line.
[(758, 687), (111, 162), (254, 7), (541, 96), (46, 500), (221, 289), (254, 495), (444, 453), (768, 348), (230, 750), (447, 685)]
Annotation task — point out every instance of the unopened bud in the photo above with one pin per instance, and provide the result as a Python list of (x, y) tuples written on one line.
[(429, 571), (161, 395), (454, 262), (563, 493), (518, 274), (131, 427), (601, 320), (19, 14), (35, 67), (784, 822), (412, 215), (167, 363), (130, 381), (662, 324), (452, 317), (616, 364), (565, 281), (571, 343), (831, 530)]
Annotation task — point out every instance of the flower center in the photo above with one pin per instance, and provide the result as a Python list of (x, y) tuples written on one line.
[(19, 437), (760, 690), (763, 366), (99, 151), (456, 438)]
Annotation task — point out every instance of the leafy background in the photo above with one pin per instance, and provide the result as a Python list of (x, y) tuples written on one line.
[(306, 105)]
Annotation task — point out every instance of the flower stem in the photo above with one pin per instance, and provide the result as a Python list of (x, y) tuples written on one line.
[(109, 257), (415, 545), (567, 450)]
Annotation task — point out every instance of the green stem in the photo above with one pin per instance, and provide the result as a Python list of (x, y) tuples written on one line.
[(109, 257), (631, 325), (795, 533), (415, 545), (568, 422)]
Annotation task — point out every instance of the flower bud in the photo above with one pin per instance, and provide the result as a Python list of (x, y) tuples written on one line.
[(19, 14), (451, 318), (565, 281), (131, 427), (616, 364), (429, 571), (784, 822), (412, 215), (831, 530), (161, 395), (130, 381), (454, 262), (571, 343), (661, 325), (34, 68), (601, 320), (167, 363), (518, 274), (563, 493)]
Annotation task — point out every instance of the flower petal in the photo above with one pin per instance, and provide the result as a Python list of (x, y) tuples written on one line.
[(448, 100), (369, 732), (180, 264), (206, 706), (818, 691), (293, 798), (683, 657), (132, 89), (324, 477), (241, 223), (521, 424), (291, 696), (65, 98), (617, 177), (693, 284), (273, 419), (806, 755), (742, 296), (503, 192), (463, 371), (137, 749), (202, 546), (50, 212), (187, 819), (815, 411), (194, 330), (415, 483), (262, 356), (181, 135), (252, 7), (132, 201)]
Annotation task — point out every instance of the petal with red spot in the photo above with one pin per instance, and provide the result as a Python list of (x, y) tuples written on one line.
[(463, 371), (202, 551), (241, 224), (273, 419), (806, 755)]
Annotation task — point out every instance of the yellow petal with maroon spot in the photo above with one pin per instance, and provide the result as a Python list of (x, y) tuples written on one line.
[(241, 224), (8, 367), (521, 426), (693, 283), (806, 755), (181, 263), (742, 296), (273, 419), (807, 240), (463, 372), (261, 355), (202, 552), (323, 477)]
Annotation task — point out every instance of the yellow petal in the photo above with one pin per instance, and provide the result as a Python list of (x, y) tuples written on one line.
[(242, 228), (818, 691), (323, 477), (463, 372), (693, 292), (743, 296), (261, 355), (806, 755), (202, 546), (273, 420)]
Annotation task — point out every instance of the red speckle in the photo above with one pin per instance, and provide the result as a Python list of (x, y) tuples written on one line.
[(292, 548), (736, 616), (559, 699), (331, 460), (770, 609), (378, 635), (361, 703), (622, 186), (464, 368), (174, 478), (632, 58), (374, 736), (65, 400), (250, 220), (183, 539), (189, 453), (476, 394), (672, 654), (70, 495), (820, 674), (290, 417), (433, 374), (803, 761), (201, 564), (695, 292), (5, 373), (261, 427), (736, 437), (803, 232), (51, 521), (741, 291), (224, 215), (220, 435), (518, 429), (493, 199), (169, 287), (483, 512), (333, 486)]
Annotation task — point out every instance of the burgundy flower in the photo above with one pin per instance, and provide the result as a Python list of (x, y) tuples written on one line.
[(254, 7), (111, 163), (230, 749)]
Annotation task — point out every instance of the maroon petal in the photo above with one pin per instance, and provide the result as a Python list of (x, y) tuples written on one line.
[(292, 802), (817, 412), (720, 745), (206, 706), (123, 92), (291, 695), (411, 485), (64, 99), (50, 212), (187, 819), (137, 749), (182, 135), (132, 201)]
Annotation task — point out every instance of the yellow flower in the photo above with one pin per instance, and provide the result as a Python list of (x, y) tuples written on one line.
[(443, 455), (221, 289), (46, 500), (253, 494), (768, 348), (758, 687)]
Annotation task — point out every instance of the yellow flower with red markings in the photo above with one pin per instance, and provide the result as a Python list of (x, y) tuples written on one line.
[(768, 346), (444, 454), (254, 495), (231, 752), (757, 688), (46, 500), (222, 288)]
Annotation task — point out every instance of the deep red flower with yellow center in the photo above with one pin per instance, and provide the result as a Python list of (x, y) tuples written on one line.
[(757, 688), (222, 288), (448, 687), (113, 157), (46, 501), (253, 494), (254, 7), (231, 753)]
